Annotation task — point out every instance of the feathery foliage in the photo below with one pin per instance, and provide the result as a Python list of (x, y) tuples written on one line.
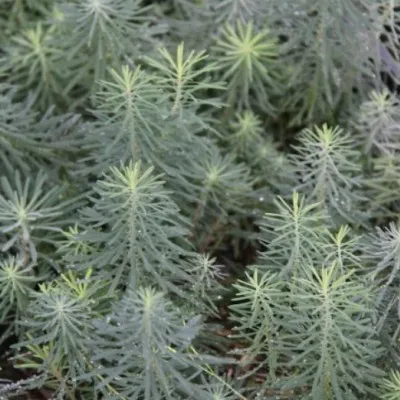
[(137, 229), (199, 199), (329, 172), (145, 346), (247, 60)]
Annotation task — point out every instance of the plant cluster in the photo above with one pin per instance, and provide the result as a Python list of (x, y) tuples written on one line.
[(200, 199)]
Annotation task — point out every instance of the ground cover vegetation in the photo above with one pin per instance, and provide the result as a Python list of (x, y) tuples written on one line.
[(199, 199)]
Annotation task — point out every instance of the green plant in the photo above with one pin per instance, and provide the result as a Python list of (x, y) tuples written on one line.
[(330, 172), (199, 199), (294, 234), (377, 122), (31, 214), (248, 62), (146, 347), (36, 62), (391, 386), (340, 343), (138, 230), (16, 282)]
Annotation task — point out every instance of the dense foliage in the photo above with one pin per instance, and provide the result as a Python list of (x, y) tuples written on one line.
[(200, 199)]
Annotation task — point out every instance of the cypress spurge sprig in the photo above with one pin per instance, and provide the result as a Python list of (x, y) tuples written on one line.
[(101, 30), (294, 235), (343, 247), (334, 342), (67, 308), (16, 286), (184, 76), (378, 123), (327, 47), (128, 126), (137, 232), (56, 341), (145, 348), (257, 309), (247, 59), (329, 168), (31, 214), (35, 62), (391, 386)]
